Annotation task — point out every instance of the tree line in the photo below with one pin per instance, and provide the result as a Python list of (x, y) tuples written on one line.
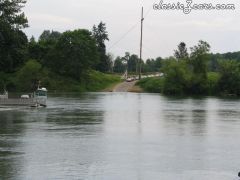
[(197, 72), (70, 54), (131, 62)]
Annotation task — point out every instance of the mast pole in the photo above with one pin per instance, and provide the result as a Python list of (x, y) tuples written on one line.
[(140, 61)]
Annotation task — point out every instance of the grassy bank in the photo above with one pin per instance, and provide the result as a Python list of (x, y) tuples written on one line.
[(94, 81), (98, 81), (26, 78)]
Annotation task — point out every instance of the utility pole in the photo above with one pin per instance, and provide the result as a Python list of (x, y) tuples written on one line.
[(140, 61)]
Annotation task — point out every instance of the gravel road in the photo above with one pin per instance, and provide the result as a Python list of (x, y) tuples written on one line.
[(124, 86)]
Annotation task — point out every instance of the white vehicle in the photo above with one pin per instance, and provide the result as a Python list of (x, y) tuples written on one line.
[(129, 79), (25, 96)]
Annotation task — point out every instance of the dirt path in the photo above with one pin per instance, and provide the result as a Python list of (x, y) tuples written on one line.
[(124, 86)]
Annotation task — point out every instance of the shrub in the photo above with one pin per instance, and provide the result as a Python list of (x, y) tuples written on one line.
[(154, 85), (212, 83)]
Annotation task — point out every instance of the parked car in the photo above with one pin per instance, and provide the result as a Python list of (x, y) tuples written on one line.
[(24, 96), (129, 79)]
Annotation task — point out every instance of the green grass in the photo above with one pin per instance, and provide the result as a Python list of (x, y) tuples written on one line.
[(153, 85), (98, 81), (93, 82)]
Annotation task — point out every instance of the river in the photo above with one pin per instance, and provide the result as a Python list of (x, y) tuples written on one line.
[(121, 136)]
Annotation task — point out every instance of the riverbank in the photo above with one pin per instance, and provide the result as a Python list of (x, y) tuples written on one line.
[(26, 80), (124, 87), (160, 85)]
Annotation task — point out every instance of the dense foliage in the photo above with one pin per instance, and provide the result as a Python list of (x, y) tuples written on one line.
[(61, 61), (13, 42), (191, 74), (101, 35), (130, 62)]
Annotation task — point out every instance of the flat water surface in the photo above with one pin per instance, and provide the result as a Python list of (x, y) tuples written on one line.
[(121, 136)]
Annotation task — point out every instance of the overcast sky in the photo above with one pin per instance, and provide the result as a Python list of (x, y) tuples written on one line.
[(163, 30)]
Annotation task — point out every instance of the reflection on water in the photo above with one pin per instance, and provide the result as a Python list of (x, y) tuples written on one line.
[(121, 136), (11, 128)]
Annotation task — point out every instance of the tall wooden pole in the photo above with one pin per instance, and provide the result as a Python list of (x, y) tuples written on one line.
[(140, 61)]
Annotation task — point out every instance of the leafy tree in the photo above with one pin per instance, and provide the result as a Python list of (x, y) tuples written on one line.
[(13, 49), (181, 52), (149, 66), (188, 76), (75, 53), (42, 49), (101, 35), (119, 67), (110, 62), (199, 58), (12, 15), (34, 51), (158, 64), (213, 83), (232, 56), (128, 60), (229, 82), (152, 65), (126, 57), (48, 35), (213, 63), (132, 63), (13, 42), (28, 76), (177, 77), (201, 49)]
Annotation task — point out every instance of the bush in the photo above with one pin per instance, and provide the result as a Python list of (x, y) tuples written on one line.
[(212, 83), (177, 77), (27, 77), (154, 85), (229, 82)]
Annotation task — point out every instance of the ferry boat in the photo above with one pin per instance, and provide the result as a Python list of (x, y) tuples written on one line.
[(38, 98)]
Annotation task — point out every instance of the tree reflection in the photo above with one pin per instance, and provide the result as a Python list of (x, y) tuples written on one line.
[(74, 112), (11, 128), (186, 115)]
